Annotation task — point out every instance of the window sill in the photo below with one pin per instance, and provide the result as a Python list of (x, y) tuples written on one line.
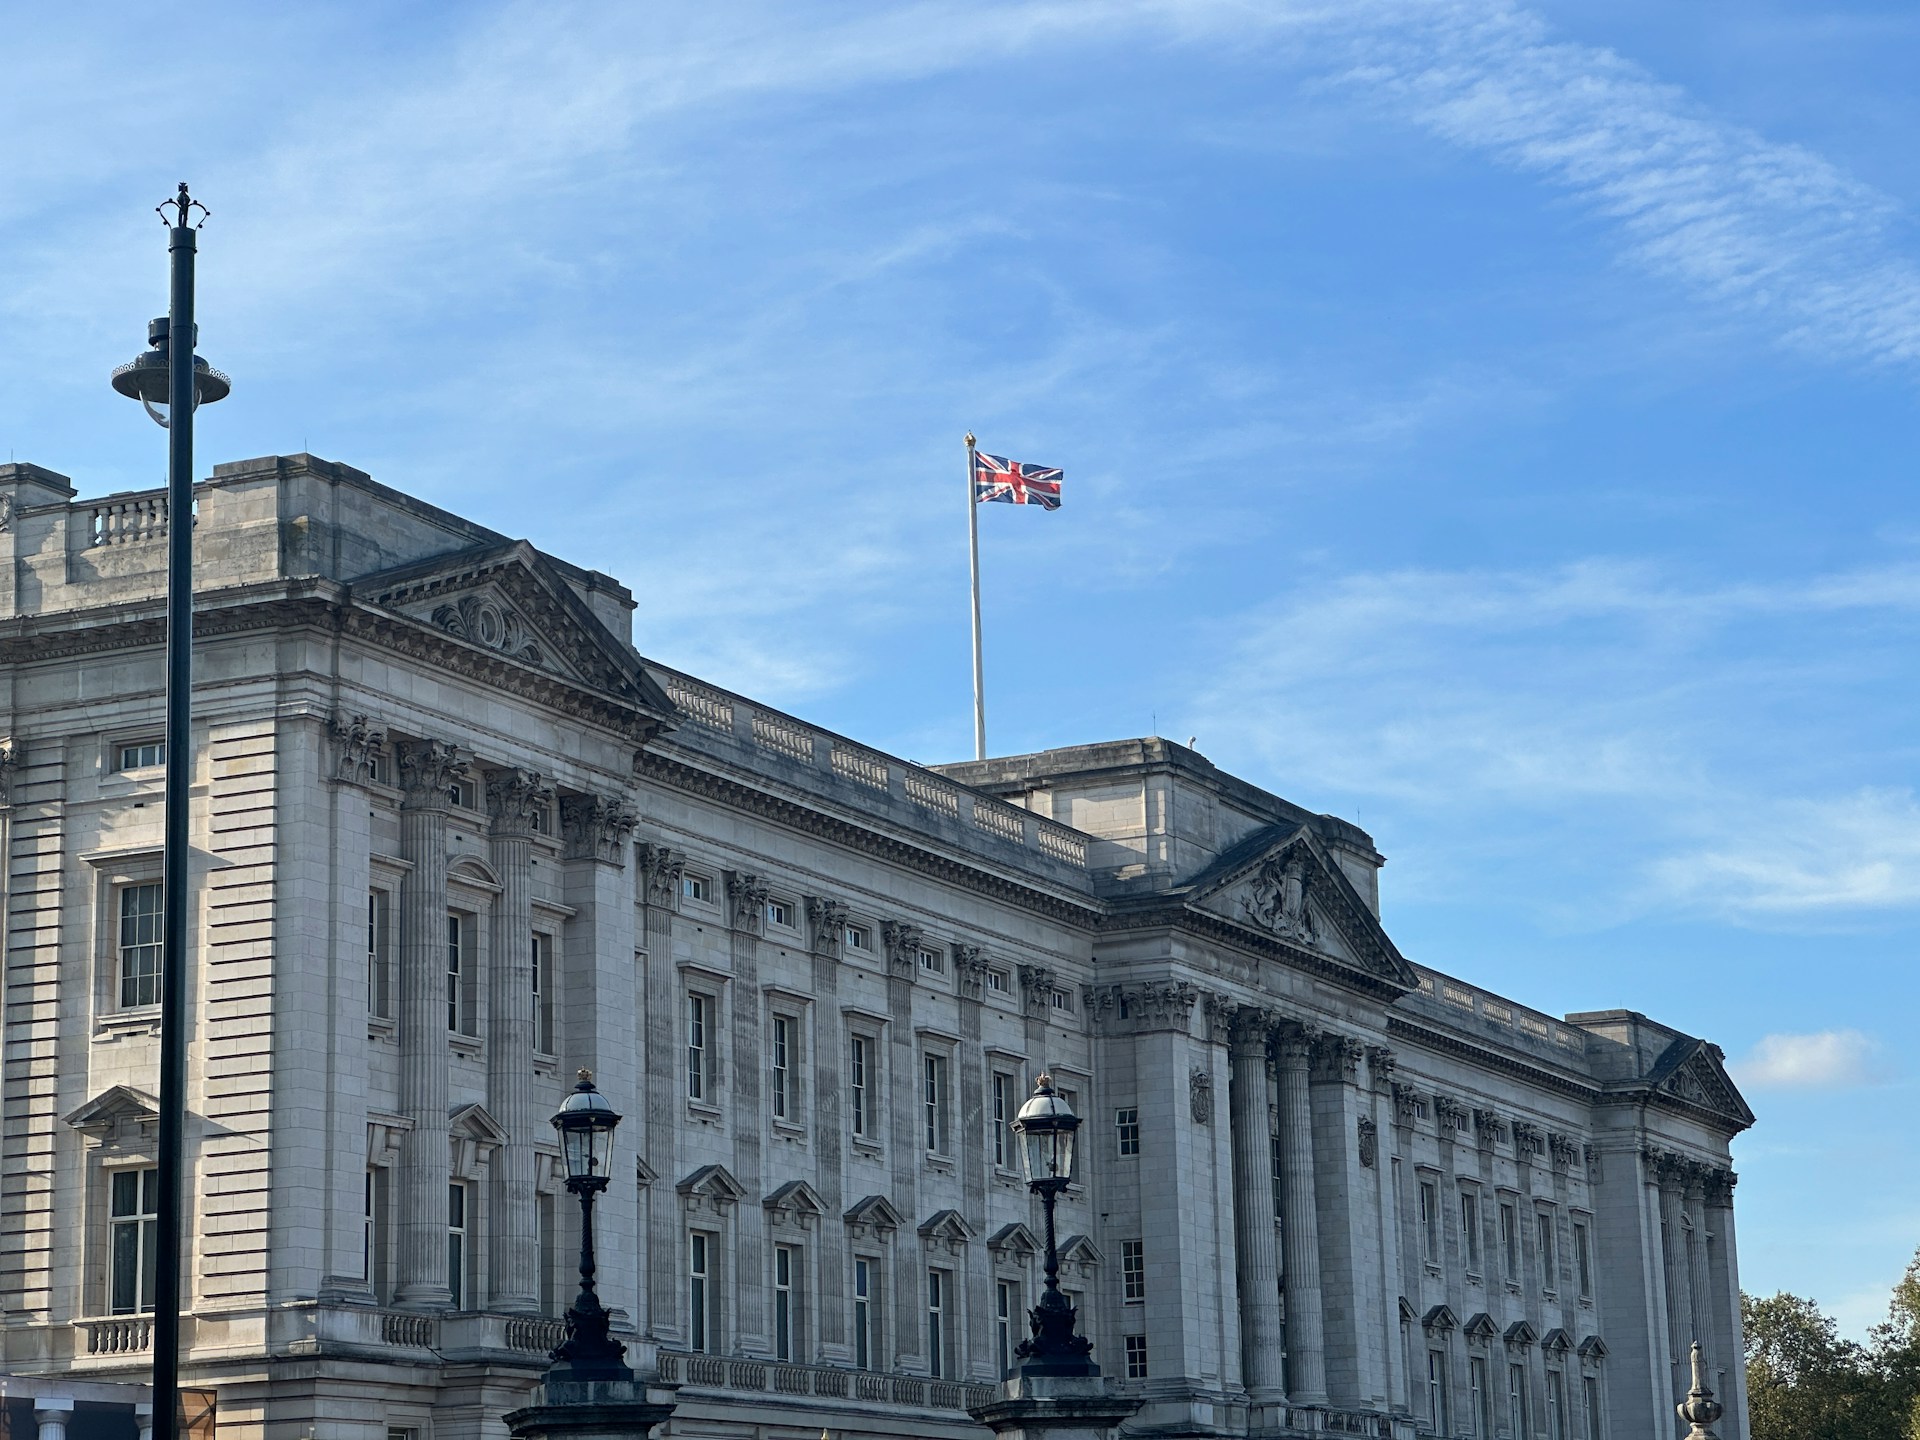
[(1511, 1288), (1586, 1302), (1550, 1295), (379, 1027), (1008, 1174), (789, 1129), (545, 1064), (869, 1149), (942, 1164), (467, 1045), (1432, 1269), (1473, 1279), (704, 1111), (141, 1019)]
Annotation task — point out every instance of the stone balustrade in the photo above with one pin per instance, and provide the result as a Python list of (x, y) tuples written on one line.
[(715, 1372)]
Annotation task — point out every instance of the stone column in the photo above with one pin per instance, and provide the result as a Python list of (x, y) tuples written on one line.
[(665, 1058), (1724, 1280), (1300, 1223), (1699, 1291), (827, 920), (514, 798), (51, 1416), (1345, 1145), (747, 911), (1258, 1268), (428, 770), (1674, 1263), (906, 1148), (972, 1151)]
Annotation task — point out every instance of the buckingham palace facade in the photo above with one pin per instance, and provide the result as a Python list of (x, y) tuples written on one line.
[(454, 839)]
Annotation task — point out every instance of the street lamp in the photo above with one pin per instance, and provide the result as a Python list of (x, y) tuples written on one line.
[(586, 1123), (1045, 1127), (174, 375)]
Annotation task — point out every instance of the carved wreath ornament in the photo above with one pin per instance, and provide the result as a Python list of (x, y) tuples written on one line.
[(1279, 899), (486, 623)]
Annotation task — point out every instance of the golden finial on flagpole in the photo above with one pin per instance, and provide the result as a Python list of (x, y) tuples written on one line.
[(969, 439)]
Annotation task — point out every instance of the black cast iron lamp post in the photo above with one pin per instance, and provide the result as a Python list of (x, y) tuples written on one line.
[(172, 375), (1045, 1128), (586, 1123)]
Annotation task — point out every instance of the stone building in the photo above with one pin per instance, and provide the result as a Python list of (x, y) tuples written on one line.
[(454, 838)]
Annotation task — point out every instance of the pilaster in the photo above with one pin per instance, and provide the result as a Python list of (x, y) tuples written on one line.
[(1350, 1223), (1257, 1265), (1300, 1227), (665, 1055), (747, 919), (827, 921)]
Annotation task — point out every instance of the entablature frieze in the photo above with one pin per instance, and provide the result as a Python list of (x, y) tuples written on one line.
[(1686, 1175), (1138, 1009)]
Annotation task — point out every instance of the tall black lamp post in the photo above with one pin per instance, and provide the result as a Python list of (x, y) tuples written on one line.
[(586, 1123), (172, 375), (589, 1390), (1046, 1126)]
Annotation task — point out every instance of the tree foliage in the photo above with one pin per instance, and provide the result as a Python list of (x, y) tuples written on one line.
[(1806, 1382)]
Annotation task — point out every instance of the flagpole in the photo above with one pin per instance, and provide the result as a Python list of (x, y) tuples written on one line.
[(973, 553)]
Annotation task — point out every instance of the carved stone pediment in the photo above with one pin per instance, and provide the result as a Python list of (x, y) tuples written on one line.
[(1693, 1073), (1282, 886), (507, 601)]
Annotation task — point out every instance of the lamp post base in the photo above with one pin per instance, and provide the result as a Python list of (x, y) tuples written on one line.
[(579, 1409), (1053, 1407)]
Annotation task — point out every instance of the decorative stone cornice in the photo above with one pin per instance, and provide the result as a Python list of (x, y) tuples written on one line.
[(660, 872), (429, 769), (516, 799), (1217, 1012), (596, 827), (903, 947), (747, 902), (1682, 1175), (1250, 1028), (828, 921), (1293, 1045), (358, 745), (1138, 1009)]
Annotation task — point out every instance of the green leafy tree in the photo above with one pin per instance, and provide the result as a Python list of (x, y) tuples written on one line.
[(1895, 1349), (1804, 1382)]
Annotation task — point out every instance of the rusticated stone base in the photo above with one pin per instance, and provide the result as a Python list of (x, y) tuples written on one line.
[(576, 1409)]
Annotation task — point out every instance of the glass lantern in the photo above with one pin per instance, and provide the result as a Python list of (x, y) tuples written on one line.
[(586, 1123), (1046, 1126)]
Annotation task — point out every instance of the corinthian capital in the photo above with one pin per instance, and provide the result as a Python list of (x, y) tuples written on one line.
[(660, 870), (596, 827), (828, 918), (516, 799), (429, 769), (747, 897)]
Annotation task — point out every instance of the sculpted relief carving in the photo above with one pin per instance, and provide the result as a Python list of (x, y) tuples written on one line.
[(486, 622), (1278, 901), (1200, 1095)]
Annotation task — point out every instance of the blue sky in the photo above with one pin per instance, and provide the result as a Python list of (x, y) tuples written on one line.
[(1490, 422)]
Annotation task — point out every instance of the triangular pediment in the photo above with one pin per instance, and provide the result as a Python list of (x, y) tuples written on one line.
[(1080, 1250), (1013, 1242), (946, 1225), (1593, 1348), (1481, 1327), (1556, 1341), (1521, 1333), (796, 1198), (1693, 1072), (713, 1182), (472, 1122), (509, 603), (1281, 885), (872, 1212), (112, 1109), (1440, 1317)]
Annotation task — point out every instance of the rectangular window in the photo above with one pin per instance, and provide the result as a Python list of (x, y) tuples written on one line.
[(1437, 1391), (379, 956), (1062, 1000), (1470, 1229), (693, 887), (140, 926), (1590, 1388), (543, 988), (935, 1102), (697, 1279), (143, 755), (1126, 1124), (938, 1330), (1133, 1270), (859, 938), (785, 1313), (1583, 1258), (997, 981), (1548, 1271), (1136, 1357), (779, 912), (933, 962), (1556, 1405), (1517, 1401), (863, 1308), (1430, 1221), (548, 1244), (778, 1084), (1002, 1118), (1510, 1242), (135, 1212), (457, 1251), (1482, 1397), (699, 1028), (1278, 1174), (1006, 1310), (456, 957), (860, 1082), (463, 793)]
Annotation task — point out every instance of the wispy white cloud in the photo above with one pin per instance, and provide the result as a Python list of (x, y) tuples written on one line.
[(1821, 1060)]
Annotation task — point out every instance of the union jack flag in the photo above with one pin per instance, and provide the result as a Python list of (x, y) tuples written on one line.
[(996, 478)]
